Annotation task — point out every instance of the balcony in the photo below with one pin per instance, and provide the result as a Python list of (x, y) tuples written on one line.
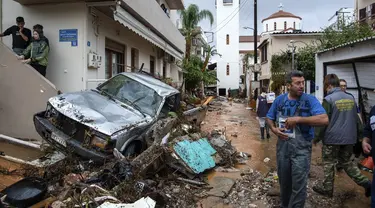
[(175, 4), (154, 19)]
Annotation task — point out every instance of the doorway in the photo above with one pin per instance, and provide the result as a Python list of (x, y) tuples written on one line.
[(114, 58), (222, 92), (134, 59), (152, 65), (164, 69)]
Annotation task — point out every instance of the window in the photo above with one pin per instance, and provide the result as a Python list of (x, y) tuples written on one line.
[(362, 14), (264, 53), (294, 25), (285, 25), (152, 65), (227, 69), (114, 58), (133, 93), (266, 27), (134, 59), (228, 1), (274, 26), (227, 39)]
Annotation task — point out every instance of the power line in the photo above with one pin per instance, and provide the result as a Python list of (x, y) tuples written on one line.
[(228, 16)]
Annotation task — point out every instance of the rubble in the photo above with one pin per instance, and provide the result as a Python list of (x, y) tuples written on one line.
[(169, 173)]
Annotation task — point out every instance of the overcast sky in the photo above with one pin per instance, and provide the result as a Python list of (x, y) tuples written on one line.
[(315, 13)]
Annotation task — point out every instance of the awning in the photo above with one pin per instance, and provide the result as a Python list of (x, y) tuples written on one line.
[(126, 19)]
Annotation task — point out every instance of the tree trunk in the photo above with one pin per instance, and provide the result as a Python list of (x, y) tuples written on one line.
[(188, 48), (205, 64)]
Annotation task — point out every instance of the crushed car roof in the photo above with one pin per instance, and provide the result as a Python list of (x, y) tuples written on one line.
[(160, 87)]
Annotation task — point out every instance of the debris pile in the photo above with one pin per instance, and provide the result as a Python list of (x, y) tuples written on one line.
[(252, 190), (169, 173)]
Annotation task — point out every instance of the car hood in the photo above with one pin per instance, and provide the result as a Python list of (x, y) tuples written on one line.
[(97, 111)]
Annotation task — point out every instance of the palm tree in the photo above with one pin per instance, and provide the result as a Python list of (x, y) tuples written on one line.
[(210, 51), (190, 18)]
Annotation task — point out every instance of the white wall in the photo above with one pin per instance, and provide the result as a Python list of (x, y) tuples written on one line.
[(280, 24), (247, 46), (229, 52), (108, 28), (112, 30), (65, 62)]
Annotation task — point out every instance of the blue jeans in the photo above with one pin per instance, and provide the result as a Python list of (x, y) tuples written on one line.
[(293, 167), (18, 51), (373, 191)]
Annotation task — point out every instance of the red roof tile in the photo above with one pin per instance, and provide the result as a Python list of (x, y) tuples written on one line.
[(281, 13)]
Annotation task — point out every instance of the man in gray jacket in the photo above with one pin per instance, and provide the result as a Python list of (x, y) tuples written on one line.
[(339, 137)]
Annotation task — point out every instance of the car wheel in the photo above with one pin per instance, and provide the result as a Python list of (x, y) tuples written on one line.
[(132, 149)]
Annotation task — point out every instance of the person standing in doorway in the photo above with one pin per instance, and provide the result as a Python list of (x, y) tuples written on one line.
[(296, 114), (262, 109), (36, 54), (20, 34), (367, 143), (339, 137)]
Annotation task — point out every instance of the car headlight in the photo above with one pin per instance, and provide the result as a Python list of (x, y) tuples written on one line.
[(99, 142)]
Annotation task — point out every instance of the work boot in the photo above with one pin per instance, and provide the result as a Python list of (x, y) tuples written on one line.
[(262, 132), (368, 189), (268, 132), (320, 190)]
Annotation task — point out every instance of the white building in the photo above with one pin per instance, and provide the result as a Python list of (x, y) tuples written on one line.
[(279, 39), (343, 16), (124, 35), (227, 43), (281, 21)]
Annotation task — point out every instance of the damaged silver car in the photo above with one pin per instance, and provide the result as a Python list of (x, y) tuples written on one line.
[(92, 123)]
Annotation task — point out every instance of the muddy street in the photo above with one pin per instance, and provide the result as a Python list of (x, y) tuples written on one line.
[(242, 130), (246, 177)]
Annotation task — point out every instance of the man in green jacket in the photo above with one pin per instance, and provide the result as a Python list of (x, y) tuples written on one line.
[(339, 137)]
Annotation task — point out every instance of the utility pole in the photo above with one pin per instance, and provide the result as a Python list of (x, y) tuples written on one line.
[(255, 36)]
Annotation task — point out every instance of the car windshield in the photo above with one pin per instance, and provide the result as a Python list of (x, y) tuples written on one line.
[(132, 93)]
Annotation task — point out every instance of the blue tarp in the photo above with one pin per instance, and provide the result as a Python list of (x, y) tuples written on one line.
[(197, 155)]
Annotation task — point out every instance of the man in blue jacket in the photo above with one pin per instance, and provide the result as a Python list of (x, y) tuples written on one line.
[(295, 113), (367, 144)]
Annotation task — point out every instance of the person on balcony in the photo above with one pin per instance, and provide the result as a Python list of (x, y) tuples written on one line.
[(36, 54)]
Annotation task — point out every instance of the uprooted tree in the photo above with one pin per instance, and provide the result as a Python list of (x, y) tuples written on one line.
[(305, 56), (193, 74)]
